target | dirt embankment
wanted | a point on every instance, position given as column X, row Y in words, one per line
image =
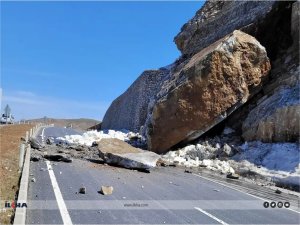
column 9, row 165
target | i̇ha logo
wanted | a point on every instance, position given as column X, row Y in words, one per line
column 15, row 204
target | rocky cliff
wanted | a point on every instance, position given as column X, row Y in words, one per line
column 276, row 118
column 129, row 111
column 222, row 71
column 217, row 19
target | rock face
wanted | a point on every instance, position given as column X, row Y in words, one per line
column 221, row 72
column 204, row 29
column 276, row 118
column 129, row 111
column 275, row 114
column 295, row 23
column 210, row 86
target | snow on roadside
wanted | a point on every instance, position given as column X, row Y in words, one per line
column 282, row 157
column 276, row 161
column 89, row 137
column 189, row 157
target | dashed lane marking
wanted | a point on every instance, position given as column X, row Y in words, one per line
column 239, row 190
column 211, row 216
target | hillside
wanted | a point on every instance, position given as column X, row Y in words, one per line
column 77, row 124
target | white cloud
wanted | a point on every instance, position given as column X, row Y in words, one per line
column 28, row 105
column 25, row 93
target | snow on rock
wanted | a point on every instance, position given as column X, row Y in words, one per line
column 277, row 161
column 273, row 156
column 218, row 165
column 89, row 137
column 198, row 155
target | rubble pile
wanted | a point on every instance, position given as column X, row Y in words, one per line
column 113, row 151
column 65, row 153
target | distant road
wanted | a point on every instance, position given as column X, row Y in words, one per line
column 164, row 196
column 55, row 132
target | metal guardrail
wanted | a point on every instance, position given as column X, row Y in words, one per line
column 24, row 164
column 18, row 123
column 31, row 133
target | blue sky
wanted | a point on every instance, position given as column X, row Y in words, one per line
column 71, row 59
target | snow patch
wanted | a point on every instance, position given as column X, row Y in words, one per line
column 273, row 156
column 89, row 137
column 198, row 155
column 277, row 161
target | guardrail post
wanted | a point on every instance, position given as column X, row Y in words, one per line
column 27, row 136
column 20, row 214
column 21, row 158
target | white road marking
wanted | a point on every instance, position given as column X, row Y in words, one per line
column 43, row 135
column 211, row 216
column 240, row 191
column 60, row 201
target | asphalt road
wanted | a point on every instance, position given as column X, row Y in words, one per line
column 164, row 196
column 55, row 132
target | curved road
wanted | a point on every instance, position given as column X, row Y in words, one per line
column 164, row 196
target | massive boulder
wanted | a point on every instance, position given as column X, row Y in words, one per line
column 213, row 83
column 129, row 111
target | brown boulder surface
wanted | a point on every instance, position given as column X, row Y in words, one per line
column 114, row 145
column 117, row 152
column 214, row 83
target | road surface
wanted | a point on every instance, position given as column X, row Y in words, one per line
column 164, row 196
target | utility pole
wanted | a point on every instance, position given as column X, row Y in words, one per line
column 7, row 111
